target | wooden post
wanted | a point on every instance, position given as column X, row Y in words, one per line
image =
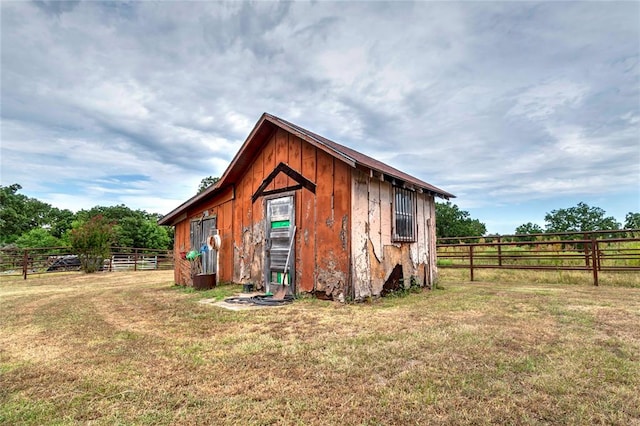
column 499, row 251
column 25, row 264
column 594, row 259
column 471, row 261
column 135, row 259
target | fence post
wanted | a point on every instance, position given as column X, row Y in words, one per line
column 135, row 259
column 585, row 236
column 471, row 261
column 25, row 264
column 595, row 264
column 499, row 251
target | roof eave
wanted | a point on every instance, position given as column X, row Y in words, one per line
column 168, row 219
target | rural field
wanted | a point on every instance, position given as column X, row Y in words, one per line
column 131, row 348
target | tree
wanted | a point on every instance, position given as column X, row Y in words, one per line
column 140, row 232
column 580, row 218
column 132, row 228
column 19, row 213
column 206, row 183
column 632, row 221
column 529, row 228
column 453, row 222
column 37, row 237
column 91, row 241
column 60, row 221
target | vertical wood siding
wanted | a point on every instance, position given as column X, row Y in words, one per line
column 343, row 242
column 322, row 219
column 307, row 234
column 374, row 254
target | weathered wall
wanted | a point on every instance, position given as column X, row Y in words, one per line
column 321, row 218
column 322, row 243
column 374, row 254
column 221, row 207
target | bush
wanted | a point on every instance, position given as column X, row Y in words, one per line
column 91, row 241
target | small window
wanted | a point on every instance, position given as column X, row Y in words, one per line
column 404, row 216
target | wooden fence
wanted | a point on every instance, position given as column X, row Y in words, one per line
column 25, row 262
column 594, row 252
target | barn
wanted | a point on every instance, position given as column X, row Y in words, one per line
column 295, row 209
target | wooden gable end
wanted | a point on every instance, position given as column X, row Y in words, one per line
column 320, row 185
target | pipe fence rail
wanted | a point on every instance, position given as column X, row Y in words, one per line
column 593, row 252
column 25, row 262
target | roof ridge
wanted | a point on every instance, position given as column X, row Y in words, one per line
column 364, row 159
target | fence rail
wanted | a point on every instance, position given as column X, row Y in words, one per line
column 603, row 251
column 25, row 262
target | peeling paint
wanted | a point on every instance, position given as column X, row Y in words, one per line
column 344, row 232
column 330, row 279
column 344, row 245
column 257, row 255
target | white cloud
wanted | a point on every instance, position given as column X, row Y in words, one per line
column 495, row 102
column 544, row 100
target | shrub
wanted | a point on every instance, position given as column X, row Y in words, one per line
column 91, row 241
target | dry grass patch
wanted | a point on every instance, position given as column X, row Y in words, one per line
column 129, row 348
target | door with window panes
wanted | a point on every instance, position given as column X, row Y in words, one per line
column 279, row 245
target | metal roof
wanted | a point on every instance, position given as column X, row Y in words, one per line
column 263, row 129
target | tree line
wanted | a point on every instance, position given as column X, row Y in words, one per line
column 27, row 222
column 453, row 222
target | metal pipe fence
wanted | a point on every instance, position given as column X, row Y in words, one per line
column 25, row 262
column 602, row 251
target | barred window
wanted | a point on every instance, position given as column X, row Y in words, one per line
column 404, row 217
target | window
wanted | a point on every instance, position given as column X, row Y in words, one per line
column 404, row 217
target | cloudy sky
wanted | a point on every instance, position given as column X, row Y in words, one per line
column 518, row 108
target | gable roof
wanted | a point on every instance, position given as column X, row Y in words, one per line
column 264, row 128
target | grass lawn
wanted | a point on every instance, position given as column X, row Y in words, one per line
column 130, row 348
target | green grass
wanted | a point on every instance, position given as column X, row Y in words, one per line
column 220, row 292
column 585, row 278
column 130, row 348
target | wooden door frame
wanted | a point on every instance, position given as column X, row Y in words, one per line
column 292, row 268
